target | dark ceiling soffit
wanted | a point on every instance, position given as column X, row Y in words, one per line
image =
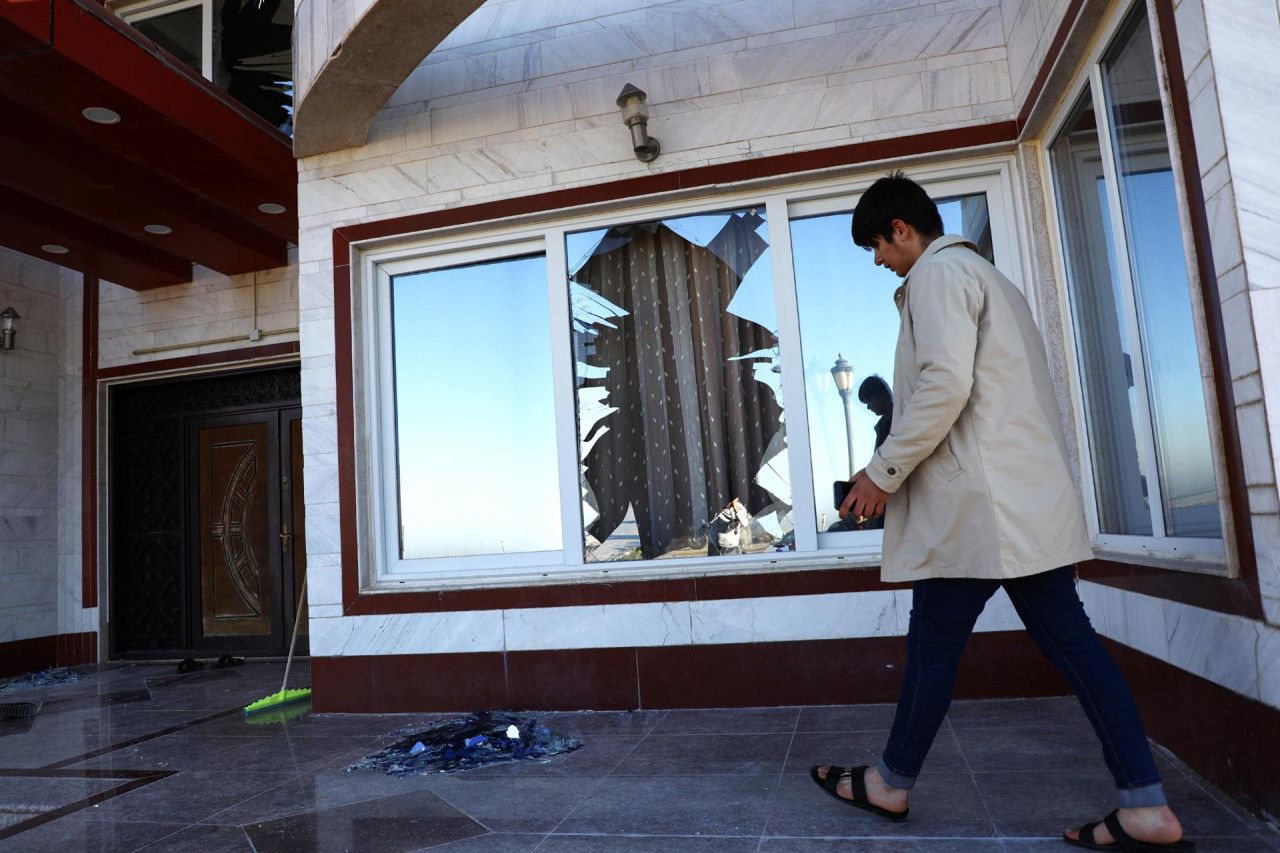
column 26, row 224
column 186, row 155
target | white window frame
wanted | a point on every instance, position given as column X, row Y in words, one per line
column 375, row 262
column 131, row 13
column 1203, row 555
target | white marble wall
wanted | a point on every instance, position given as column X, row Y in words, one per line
column 520, row 100
column 681, row 623
column 29, row 448
column 210, row 307
column 1029, row 27
column 1228, row 50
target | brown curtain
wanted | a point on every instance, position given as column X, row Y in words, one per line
column 692, row 426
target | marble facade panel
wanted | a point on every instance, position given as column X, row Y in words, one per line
column 799, row 617
column 731, row 21
column 1242, row 38
column 408, row 633
column 607, row 626
column 1216, row 646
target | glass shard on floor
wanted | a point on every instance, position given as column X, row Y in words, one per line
column 480, row 739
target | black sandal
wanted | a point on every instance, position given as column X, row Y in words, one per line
column 190, row 665
column 1123, row 841
column 228, row 661
column 859, row 801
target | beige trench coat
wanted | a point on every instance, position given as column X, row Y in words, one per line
column 976, row 462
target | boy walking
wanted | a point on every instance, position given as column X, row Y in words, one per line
column 980, row 497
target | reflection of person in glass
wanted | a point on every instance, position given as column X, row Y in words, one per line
column 981, row 496
column 873, row 393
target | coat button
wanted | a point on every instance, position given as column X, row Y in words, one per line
column 893, row 472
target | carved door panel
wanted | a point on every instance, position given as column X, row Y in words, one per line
column 239, row 538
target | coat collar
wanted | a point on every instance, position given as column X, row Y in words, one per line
column 900, row 295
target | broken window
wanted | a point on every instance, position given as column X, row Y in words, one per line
column 682, row 439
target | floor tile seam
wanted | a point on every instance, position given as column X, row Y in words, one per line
column 782, row 774
column 606, row 777
column 973, row 779
column 357, row 802
column 281, row 783
column 76, row 806
column 443, row 799
column 1230, row 807
column 245, row 833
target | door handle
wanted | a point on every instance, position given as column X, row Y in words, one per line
column 285, row 537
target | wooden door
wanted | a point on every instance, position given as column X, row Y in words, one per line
column 238, row 572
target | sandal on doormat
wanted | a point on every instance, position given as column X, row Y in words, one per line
column 1124, row 842
column 190, row 665
column 859, row 790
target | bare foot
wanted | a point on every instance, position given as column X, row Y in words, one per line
column 879, row 792
column 1152, row 824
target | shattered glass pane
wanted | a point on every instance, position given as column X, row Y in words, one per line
column 682, row 439
column 254, row 47
column 44, row 678
column 477, row 740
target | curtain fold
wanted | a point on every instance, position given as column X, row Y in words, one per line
column 692, row 425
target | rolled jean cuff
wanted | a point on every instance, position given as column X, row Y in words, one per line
column 895, row 778
column 1146, row 795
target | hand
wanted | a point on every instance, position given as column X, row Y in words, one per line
column 865, row 499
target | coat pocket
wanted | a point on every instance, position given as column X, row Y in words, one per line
column 947, row 464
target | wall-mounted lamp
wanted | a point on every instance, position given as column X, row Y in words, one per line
column 635, row 114
column 7, row 330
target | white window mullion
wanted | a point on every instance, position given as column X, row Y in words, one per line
column 803, row 512
column 383, row 432
column 566, row 399
column 1155, row 500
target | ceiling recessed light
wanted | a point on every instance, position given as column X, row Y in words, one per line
column 101, row 115
column 158, row 229
column 269, row 207
column 54, row 249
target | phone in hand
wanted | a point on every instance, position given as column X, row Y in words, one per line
column 841, row 491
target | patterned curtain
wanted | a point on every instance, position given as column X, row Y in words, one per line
column 692, row 424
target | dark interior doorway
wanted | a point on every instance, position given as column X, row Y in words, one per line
column 206, row 515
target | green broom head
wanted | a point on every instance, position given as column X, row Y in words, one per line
column 275, row 700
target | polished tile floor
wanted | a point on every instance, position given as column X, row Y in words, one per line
column 136, row 757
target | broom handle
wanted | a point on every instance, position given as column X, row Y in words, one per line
column 302, row 599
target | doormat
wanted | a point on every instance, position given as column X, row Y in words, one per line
column 44, row 678
column 478, row 740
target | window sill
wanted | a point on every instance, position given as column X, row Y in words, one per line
column 1203, row 564
column 622, row 572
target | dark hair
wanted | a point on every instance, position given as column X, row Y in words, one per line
column 872, row 387
column 894, row 196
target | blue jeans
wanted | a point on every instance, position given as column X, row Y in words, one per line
column 943, row 612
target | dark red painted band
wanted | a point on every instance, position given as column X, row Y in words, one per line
column 809, row 672
column 1215, row 328
column 37, row 653
column 204, row 359
column 89, row 445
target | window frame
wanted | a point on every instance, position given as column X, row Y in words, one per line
column 1203, row 555
column 373, row 263
column 131, row 13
